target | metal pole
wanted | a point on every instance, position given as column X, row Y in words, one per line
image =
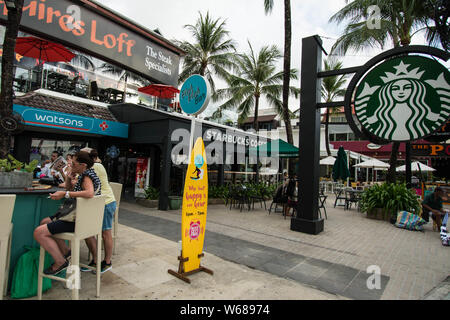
column 307, row 219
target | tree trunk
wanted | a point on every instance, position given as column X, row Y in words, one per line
column 327, row 138
column 7, row 77
column 390, row 178
column 256, row 127
column 286, row 77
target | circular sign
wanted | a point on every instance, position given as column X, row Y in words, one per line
column 195, row 94
column 404, row 98
column 9, row 123
column 113, row 152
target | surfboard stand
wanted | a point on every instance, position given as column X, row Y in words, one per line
column 183, row 275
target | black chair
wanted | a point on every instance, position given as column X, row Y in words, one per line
column 322, row 199
column 278, row 199
column 94, row 92
column 340, row 196
column 72, row 85
column 350, row 198
column 239, row 198
column 258, row 197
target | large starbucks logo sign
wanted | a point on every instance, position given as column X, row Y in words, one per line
column 404, row 98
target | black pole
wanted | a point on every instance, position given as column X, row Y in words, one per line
column 307, row 219
column 408, row 165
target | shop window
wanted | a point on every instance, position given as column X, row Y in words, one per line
column 42, row 149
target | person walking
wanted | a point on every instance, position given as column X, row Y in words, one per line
column 108, row 217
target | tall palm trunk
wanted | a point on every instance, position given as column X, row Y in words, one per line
column 256, row 127
column 7, row 77
column 286, row 79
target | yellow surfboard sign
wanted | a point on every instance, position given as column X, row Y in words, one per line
column 195, row 205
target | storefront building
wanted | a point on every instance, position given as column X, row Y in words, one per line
column 93, row 100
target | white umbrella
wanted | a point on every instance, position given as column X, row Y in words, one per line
column 328, row 161
column 415, row 167
column 374, row 164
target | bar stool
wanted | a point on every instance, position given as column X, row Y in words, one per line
column 88, row 223
column 117, row 190
column 7, row 204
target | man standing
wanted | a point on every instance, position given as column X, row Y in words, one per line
column 432, row 205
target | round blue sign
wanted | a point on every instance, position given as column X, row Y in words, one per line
column 195, row 94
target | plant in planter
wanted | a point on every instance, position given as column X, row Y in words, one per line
column 151, row 198
column 16, row 174
column 384, row 201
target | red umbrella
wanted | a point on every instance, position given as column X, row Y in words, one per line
column 160, row 91
column 43, row 50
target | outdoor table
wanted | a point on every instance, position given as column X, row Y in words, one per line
column 29, row 209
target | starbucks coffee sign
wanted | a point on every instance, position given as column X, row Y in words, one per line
column 404, row 98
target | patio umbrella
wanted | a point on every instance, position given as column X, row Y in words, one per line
column 416, row 166
column 374, row 164
column 280, row 149
column 43, row 50
column 160, row 91
column 340, row 168
column 328, row 161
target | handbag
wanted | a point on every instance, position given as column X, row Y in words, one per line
column 67, row 210
column 53, row 181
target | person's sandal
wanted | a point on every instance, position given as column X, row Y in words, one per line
column 50, row 272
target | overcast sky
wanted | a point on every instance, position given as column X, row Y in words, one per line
column 246, row 20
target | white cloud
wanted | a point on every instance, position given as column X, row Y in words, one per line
column 246, row 20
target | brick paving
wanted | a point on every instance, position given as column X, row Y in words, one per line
column 412, row 263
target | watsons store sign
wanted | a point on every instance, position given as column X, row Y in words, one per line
column 65, row 121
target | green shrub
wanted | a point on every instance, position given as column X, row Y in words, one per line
column 391, row 197
column 151, row 193
column 11, row 164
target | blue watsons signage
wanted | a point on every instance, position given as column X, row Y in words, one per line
column 65, row 121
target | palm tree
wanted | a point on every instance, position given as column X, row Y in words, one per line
column 14, row 9
column 256, row 77
column 332, row 87
column 268, row 6
column 123, row 75
column 210, row 53
column 399, row 20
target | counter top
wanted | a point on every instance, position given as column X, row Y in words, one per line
column 22, row 191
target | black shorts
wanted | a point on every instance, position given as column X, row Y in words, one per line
column 60, row 226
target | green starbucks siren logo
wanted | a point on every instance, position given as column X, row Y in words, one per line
column 403, row 99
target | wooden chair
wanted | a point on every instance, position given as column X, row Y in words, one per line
column 89, row 221
column 117, row 190
column 7, row 204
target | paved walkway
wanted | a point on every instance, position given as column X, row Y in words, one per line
column 255, row 255
column 335, row 261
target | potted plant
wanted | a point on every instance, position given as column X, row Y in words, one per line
column 16, row 174
column 175, row 200
column 151, row 199
column 383, row 202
